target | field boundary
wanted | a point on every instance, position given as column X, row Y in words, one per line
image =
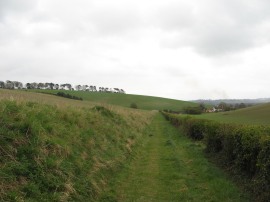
column 243, row 149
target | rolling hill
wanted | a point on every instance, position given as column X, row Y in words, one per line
column 125, row 100
column 259, row 114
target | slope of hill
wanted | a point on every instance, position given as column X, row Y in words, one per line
column 233, row 101
column 57, row 149
column 125, row 100
column 259, row 114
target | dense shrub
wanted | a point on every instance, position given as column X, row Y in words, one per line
column 134, row 105
column 214, row 137
column 244, row 148
column 66, row 95
column 172, row 111
column 193, row 110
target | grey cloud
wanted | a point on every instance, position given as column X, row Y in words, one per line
column 114, row 21
column 175, row 72
column 8, row 7
column 248, row 12
column 175, row 16
column 218, row 28
column 217, row 93
column 223, row 40
column 95, row 18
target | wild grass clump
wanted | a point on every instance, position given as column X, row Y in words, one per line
column 62, row 154
column 243, row 149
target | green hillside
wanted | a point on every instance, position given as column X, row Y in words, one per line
column 143, row 102
column 57, row 149
column 259, row 114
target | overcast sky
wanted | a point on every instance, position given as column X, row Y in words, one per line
column 168, row 48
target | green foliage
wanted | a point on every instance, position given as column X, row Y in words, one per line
column 263, row 163
column 224, row 106
column 171, row 111
column 66, row 95
column 133, row 105
column 193, row 110
column 245, row 148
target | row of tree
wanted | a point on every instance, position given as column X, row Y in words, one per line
column 53, row 86
column 228, row 107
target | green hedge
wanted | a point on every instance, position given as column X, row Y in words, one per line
column 245, row 148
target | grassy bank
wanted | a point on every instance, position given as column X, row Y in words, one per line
column 51, row 153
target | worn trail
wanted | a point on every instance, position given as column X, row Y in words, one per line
column 170, row 167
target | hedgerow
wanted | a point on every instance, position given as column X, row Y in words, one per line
column 66, row 95
column 243, row 148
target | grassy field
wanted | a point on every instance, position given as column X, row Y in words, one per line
column 170, row 167
column 259, row 115
column 143, row 102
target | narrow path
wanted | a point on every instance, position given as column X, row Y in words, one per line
column 170, row 167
